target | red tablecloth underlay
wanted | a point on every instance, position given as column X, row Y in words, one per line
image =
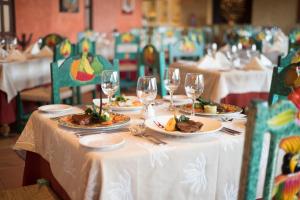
column 243, row 100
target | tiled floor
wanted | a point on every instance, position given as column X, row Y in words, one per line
column 11, row 165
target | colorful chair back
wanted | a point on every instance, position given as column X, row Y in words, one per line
column 294, row 39
column 51, row 40
column 89, row 34
column 196, row 35
column 126, row 46
column 284, row 77
column 150, row 59
column 281, row 121
column 185, row 48
column 78, row 71
column 169, row 36
column 85, row 45
column 63, row 50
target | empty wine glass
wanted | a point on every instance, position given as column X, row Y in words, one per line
column 172, row 81
column 194, row 86
column 146, row 90
column 109, row 84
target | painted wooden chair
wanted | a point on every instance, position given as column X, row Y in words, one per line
column 89, row 34
column 51, row 40
column 294, row 39
column 126, row 51
column 196, row 35
column 185, row 48
column 281, row 121
column 284, row 77
column 85, row 45
column 63, row 50
column 153, row 61
column 78, row 71
column 169, row 36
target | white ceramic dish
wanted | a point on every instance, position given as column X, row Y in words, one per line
column 177, row 98
column 102, row 141
column 209, row 126
column 120, row 108
column 53, row 108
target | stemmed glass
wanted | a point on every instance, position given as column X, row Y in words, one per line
column 194, row 86
column 109, row 84
column 146, row 90
column 172, row 81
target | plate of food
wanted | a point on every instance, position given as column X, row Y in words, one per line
column 91, row 120
column 183, row 125
column 122, row 103
column 208, row 108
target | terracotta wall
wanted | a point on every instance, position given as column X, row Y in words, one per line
column 108, row 15
column 41, row 17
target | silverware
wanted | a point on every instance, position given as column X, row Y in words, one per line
column 226, row 119
column 158, row 124
column 138, row 132
column 94, row 132
column 230, row 131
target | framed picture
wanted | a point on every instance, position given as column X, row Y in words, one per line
column 70, row 6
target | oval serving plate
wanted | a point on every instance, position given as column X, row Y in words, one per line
column 66, row 121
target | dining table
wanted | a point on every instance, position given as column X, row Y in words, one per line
column 228, row 85
column 202, row 166
column 19, row 75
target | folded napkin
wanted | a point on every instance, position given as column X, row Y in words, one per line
column 265, row 61
column 280, row 44
column 3, row 54
column 33, row 49
column 255, row 64
column 219, row 62
column 15, row 55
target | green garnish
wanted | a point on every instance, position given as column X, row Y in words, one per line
column 203, row 102
column 182, row 118
column 95, row 115
column 121, row 98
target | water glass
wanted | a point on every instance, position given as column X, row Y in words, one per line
column 194, row 86
column 109, row 84
column 172, row 81
column 146, row 90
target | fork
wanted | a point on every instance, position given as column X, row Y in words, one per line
column 158, row 124
column 230, row 131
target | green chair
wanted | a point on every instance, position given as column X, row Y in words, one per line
column 196, row 35
column 63, row 50
column 51, row 40
column 294, row 39
column 78, row 71
column 85, row 45
column 281, row 122
column 283, row 77
column 153, row 61
column 187, row 49
column 126, row 51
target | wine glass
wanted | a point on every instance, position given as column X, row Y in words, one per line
column 109, row 84
column 172, row 81
column 146, row 90
column 194, row 86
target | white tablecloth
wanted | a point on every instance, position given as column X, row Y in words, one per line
column 201, row 167
column 17, row 76
column 218, row 84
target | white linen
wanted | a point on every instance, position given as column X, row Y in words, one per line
column 201, row 167
column 219, row 61
column 17, row 76
column 218, row 84
column 257, row 63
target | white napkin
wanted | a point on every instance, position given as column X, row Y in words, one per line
column 218, row 62
column 255, row 64
column 280, row 44
column 16, row 55
column 45, row 52
column 3, row 54
column 265, row 61
column 33, row 49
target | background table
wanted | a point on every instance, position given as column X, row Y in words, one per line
column 205, row 167
column 236, row 87
column 17, row 76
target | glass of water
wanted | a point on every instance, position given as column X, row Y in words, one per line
column 194, row 86
column 172, row 81
column 146, row 90
column 109, row 84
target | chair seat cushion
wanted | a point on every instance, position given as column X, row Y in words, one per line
column 43, row 94
column 87, row 88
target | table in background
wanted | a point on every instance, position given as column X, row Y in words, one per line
column 236, row 87
column 17, row 76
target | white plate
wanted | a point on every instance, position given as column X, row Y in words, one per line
column 209, row 125
column 54, row 108
column 120, row 108
column 102, row 141
column 177, row 98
